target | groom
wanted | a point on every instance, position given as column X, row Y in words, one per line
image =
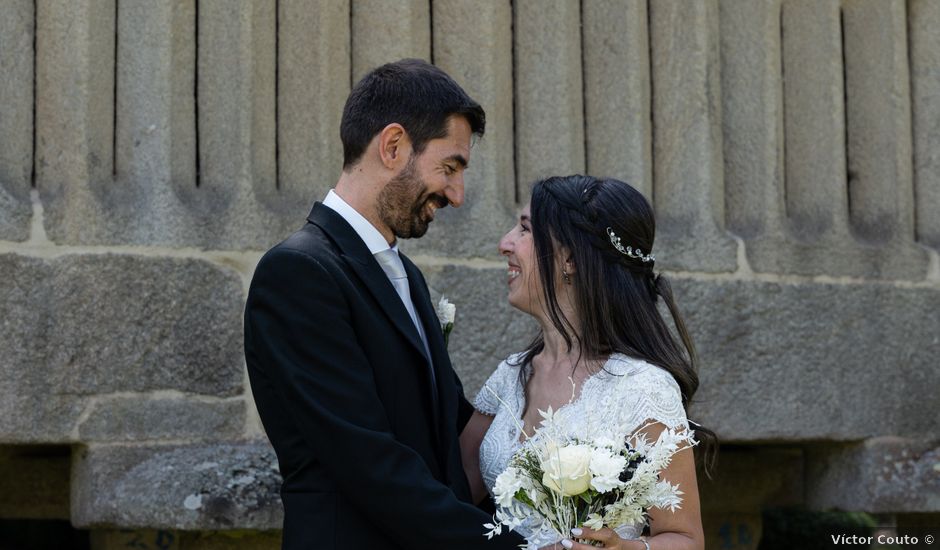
column 345, row 354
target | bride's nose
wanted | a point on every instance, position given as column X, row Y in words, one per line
column 505, row 245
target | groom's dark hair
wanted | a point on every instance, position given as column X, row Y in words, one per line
column 411, row 92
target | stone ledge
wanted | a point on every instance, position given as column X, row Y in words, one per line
column 879, row 475
column 812, row 361
column 781, row 362
column 188, row 487
column 141, row 418
column 87, row 324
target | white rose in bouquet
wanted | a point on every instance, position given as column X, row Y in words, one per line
column 567, row 470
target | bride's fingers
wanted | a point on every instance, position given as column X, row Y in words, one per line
column 606, row 536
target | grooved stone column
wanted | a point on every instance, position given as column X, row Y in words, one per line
column 477, row 53
column 549, row 95
column 155, row 146
column 816, row 236
column 923, row 22
column 74, row 112
column 16, row 118
column 384, row 31
column 881, row 191
column 617, row 91
column 236, row 121
column 752, row 116
column 236, row 97
column 817, row 203
column 313, row 82
column 687, row 162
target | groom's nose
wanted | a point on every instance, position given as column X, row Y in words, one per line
column 454, row 192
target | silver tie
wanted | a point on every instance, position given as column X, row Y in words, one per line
column 395, row 271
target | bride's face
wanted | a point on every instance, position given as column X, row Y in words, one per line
column 517, row 246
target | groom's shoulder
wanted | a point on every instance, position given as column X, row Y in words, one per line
column 308, row 245
column 310, row 240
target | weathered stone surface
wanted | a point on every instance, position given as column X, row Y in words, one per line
column 16, row 118
column 383, row 32
column 617, row 121
column 87, row 324
column 34, row 482
column 478, row 54
column 688, row 189
column 808, row 362
column 74, row 112
column 880, row 475
column 549, row 91
column 487, row 329
column 313, row 82
column 221, row 486
column 752, row 116
column 135, row 418
column 923, row 22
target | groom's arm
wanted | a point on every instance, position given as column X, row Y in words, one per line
column 464, row 408
column 312, row 355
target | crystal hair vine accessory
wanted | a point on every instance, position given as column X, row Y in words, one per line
column 629, row 251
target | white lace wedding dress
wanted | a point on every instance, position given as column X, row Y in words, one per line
column 627, row 392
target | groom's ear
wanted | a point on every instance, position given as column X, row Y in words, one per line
column 394, row 146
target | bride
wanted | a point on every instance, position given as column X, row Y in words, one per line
column 580, row 263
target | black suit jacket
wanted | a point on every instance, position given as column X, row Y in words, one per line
column 343, row 386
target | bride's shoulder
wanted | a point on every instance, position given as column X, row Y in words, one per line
column 500, row 385
column 638, row 372
column 509, row 367
column 647, row 391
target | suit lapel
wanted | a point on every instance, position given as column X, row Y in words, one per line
column 360, row 260
column 440, row 360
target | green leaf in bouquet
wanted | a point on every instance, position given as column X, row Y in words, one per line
column 522, row 497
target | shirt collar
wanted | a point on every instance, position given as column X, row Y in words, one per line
column 366, row 231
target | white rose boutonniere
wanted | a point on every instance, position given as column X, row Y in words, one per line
column 446, row 312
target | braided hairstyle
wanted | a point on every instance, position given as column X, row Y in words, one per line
column 615, row 295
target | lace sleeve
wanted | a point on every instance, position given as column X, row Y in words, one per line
column 650, row 394
column 485, row 401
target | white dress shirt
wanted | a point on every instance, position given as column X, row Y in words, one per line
column 377, row 244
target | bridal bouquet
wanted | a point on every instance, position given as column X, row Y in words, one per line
column 556, row 482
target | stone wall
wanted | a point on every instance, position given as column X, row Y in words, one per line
column 151, row 151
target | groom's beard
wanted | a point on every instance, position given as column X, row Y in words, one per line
column 403, row 203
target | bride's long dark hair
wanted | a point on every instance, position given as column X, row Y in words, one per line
column 615, row 295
